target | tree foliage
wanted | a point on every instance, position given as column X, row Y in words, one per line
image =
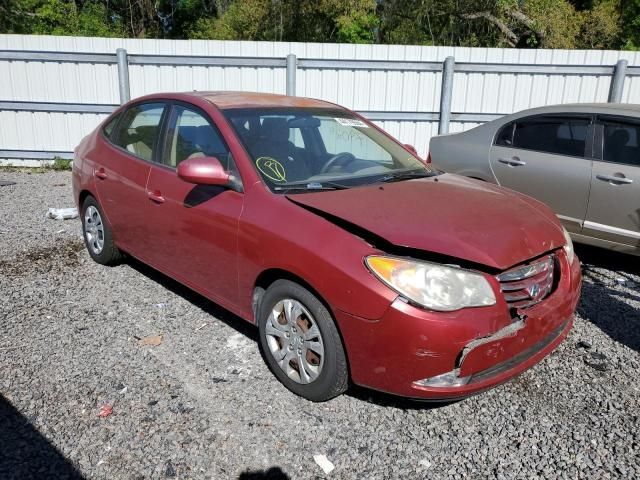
column 599, row 24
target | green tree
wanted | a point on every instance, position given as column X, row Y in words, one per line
column 352, row 21
column 607, row 24
column 601, row 26
column 630, row 30
column 59, row 17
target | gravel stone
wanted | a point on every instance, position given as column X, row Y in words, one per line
column 202, row 404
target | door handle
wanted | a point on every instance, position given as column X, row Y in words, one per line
column 100, row 173
column 512, row 162
column 155, row 196
column 614, row 179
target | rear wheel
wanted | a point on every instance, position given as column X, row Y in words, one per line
column 97, row 234
column 301, row 343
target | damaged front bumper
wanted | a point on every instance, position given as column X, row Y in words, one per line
column 443, row 356
column 454, row 384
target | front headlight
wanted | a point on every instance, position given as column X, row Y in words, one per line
column 568, row 248
column 434, row 286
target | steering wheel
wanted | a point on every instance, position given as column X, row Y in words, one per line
column 342, row 158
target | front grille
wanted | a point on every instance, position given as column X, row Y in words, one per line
column 526, row 285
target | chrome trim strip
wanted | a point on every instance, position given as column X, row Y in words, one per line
column 529, row 284
column 526, row 271
column 577, row 221
column 609, row 229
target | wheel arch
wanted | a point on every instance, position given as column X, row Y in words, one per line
column 270, row 275
column 84, row 193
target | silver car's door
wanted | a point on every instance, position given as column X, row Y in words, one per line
column 549, row 158
column 614, row 203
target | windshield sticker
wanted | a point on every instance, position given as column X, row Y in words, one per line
column 271, row 168
column 351, row 122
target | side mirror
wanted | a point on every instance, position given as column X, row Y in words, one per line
column 412, row 149
column 203, row 171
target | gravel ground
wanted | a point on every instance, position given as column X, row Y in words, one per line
column 203, row 404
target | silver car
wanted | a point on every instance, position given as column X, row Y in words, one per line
column 582, row 160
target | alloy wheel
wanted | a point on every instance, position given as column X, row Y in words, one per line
column 295, row 341
column 94, row 229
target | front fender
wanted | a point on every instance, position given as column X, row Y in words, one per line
column 274, row 233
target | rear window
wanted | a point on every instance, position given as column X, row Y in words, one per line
column 108, row 128
column 557, row 135
column 139, row 128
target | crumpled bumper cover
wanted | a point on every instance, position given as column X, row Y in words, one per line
column 483, row 346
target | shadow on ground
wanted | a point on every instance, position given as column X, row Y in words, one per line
column 25, row 453
column 213, row 309
column 621, row 263
column 602, row 304
column 274, row 473
column 250, row 331
column 383, row 399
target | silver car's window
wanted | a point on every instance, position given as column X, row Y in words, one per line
column 621, row 143
column 557, row 135
column 505, row 135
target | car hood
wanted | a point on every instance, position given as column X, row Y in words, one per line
column 448, row 215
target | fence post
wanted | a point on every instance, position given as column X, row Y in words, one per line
column 123, row 75
column 445, row 95
column 617, row 81
column 291, row 74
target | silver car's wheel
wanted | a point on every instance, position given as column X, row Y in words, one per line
column 295, row 341
column 94, row 229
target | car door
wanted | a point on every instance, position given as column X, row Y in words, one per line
column 549, row 158
column 194, row 227
column 122, row 170
column 614, row 202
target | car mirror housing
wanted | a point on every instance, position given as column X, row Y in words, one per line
column 203, row 171
column 412, row 149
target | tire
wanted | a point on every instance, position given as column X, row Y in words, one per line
column 324, row 375
column 97, row 235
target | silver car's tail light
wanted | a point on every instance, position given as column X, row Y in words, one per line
column 526, row 285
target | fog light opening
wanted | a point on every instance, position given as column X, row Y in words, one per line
column 449, row 379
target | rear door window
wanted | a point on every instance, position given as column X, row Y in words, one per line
column 621, row 142
column 139, row 128
column 553, row 134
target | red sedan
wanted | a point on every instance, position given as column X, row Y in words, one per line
column 356, row 260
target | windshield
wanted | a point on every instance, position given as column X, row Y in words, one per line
column 320, row 149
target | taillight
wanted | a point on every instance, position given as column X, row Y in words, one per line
column 429, row 158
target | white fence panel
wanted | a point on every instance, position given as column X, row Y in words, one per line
column 409, row 97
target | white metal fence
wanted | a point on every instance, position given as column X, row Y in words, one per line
column 54, row 90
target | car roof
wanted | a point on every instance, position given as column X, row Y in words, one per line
column 229, row 99
column 611, row 108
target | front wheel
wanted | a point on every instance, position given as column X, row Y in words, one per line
column 301, row 343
